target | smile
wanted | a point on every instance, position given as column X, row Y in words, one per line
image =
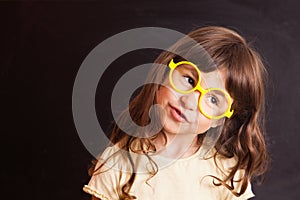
column 177, row 114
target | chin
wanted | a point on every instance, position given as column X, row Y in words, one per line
column 181, row 129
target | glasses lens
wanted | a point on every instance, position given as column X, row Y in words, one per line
column 185, row 77
column 214, row 103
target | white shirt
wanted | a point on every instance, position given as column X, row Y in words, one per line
column 179, row 179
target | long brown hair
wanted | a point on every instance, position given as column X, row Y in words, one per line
column 242, row 136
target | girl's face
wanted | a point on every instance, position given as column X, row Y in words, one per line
column 181, row 111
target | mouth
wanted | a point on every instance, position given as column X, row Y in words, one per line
column 178, row 114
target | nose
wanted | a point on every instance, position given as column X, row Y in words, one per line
column 190, row 101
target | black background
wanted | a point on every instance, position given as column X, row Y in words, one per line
column 44, row 43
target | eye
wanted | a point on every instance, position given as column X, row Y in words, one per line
column 190, row 80
column 213, row 100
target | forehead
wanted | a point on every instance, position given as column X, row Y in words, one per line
column 214, row 79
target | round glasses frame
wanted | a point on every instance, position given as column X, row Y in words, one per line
column 228, row 113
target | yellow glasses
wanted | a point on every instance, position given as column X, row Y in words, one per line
column 185, row 78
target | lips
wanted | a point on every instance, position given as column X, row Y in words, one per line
column 177, row 114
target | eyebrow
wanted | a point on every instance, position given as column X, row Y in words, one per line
column 192, row 69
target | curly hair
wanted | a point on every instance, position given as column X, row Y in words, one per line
column 242, row 136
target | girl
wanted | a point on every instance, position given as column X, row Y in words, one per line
column 210, row 101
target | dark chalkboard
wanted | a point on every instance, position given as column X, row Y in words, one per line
column 44, row 43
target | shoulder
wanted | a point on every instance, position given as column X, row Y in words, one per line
column 111, row 171
column 223, row 167
column 220, row 162
column 113, row 158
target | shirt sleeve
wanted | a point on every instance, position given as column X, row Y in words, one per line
column 105, row 182
column 248, row 192
column 103, row 186
column 227, row 164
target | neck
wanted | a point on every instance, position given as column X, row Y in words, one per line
column 177, row 146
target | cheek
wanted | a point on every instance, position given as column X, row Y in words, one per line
column 159, row 96
column 202, row 124
column 163, row 94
